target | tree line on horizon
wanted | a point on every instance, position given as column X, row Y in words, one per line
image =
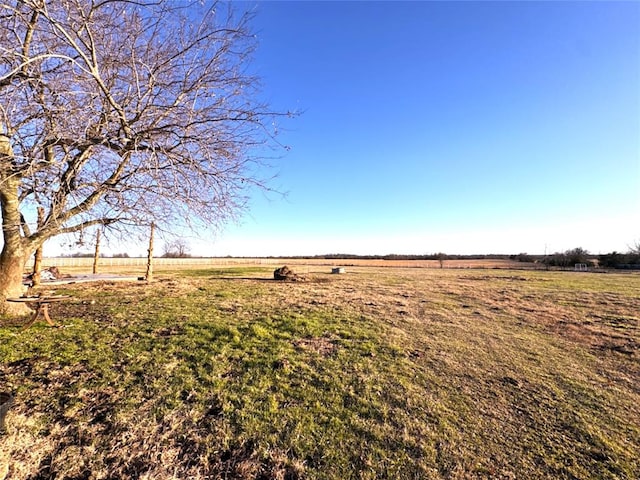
column 566, row 259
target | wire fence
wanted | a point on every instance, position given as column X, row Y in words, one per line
column 141, row 262
column 197, row 262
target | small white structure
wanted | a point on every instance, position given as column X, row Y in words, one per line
column 581, row 267
column 338, row 270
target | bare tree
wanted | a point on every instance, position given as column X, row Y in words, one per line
column 120, row 114
column 178, row 248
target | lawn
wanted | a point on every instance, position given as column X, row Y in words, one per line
column 381, row 373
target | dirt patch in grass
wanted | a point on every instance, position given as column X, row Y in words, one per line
column 320, row 345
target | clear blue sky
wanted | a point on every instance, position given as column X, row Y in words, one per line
column 462, row 127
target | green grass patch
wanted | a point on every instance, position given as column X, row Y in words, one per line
column 226, row 272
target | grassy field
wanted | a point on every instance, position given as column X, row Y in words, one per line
column 378, row 373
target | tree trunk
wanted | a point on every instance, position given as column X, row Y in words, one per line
column 11, row 269
column 37, row 260
column 14, row 254
column 36, row 276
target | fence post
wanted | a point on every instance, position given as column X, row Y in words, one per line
column 149, row 275
column 96, row 254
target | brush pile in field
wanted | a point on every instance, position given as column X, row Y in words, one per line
column 286, row 274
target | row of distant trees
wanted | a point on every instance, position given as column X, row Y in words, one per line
column 179, row 248
column 628, row 260
column 566, row 259
column 394, row 256
column 569, row 258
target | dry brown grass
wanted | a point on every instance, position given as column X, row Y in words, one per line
column 138, row 266
column 379, row 373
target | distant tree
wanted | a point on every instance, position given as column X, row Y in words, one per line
column 557, row 259
column 178, row 248
column 634, row 254
column 523, row 257
column 612, row 260
column 121, row 113
column 569, row 258
column 577, row 255
column 441, row 257
column 120, row 255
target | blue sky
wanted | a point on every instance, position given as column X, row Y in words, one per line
column 462, row 127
